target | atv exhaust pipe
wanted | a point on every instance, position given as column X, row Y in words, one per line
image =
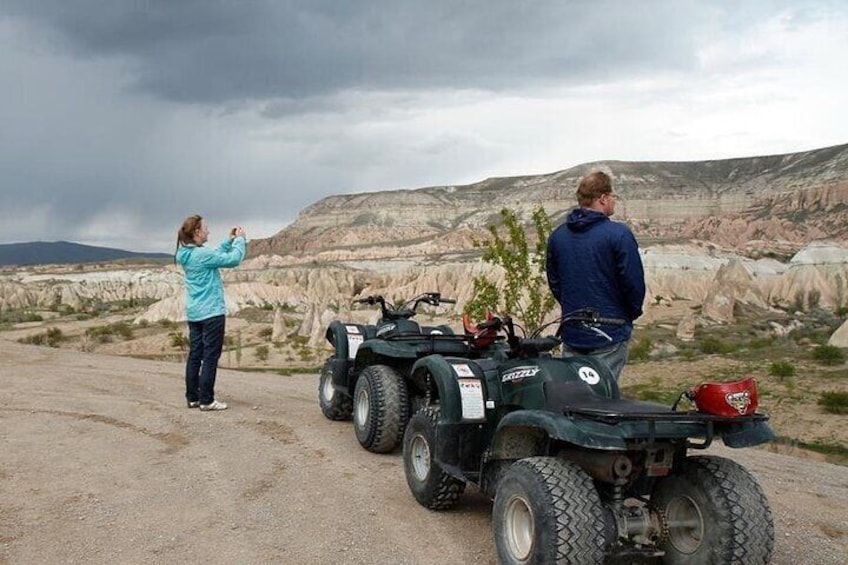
column 612, row 468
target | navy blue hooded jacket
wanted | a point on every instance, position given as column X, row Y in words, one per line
column 594, row 262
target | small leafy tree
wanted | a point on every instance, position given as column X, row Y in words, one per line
column 524, row 293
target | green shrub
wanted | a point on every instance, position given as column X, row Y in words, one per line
column 51, row 338
column 266, row 332
column 104, row 334
column 761, row 342
column 178, row 339
column 711, row 345
column 641, row 350
column 829, row 355
column 782, row 369
column 18, row 316
column 262, row 352
column 834, row 402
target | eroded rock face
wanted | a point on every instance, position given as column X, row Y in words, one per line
column 780, row 202
column 698, row 273
column 840, row 336
column 733, row 284
column 686, row 328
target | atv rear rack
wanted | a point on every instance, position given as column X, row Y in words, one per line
column 638, row 420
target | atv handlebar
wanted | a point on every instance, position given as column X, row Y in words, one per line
column 534, row 344
column 389, row 312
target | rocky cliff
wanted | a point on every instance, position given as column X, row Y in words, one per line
column 771, row 204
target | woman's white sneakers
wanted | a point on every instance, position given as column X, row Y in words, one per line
column 216, row 405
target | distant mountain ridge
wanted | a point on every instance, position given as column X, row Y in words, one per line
column 793, row 198
column 65, row 252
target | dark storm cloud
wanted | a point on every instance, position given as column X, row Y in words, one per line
column 121, row 117
column 219, row 51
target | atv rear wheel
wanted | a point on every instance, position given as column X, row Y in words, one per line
column 716, row 513
column 430, row 485
column 380, row 408
column 334, row 404
column 547, row 511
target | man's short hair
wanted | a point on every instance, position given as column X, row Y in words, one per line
column 593, row 186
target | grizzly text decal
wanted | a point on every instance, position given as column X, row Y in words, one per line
column 519, row 373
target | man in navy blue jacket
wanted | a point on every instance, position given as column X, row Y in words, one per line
column 594, row 262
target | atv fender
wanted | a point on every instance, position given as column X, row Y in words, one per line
column 376, row 351
column 346, row 338
column 339, row 369
column 584, row 433
column 747, row 434
column 460, row 438
column 444, row 374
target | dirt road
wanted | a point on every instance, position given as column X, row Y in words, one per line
column 100, row 462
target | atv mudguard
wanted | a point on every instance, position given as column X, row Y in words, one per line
column 373, row 350
column 445, row 373
column 346, row 338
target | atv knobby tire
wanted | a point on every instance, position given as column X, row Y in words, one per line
column 380, row 408
column 547, row 510
column 430, row 485
column 334, row 404
column 716, row 514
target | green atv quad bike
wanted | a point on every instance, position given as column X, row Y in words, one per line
column 580, row 475
column 368, row 375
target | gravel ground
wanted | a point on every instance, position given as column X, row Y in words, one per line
column 102, row 463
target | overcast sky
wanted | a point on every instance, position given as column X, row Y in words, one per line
column 119, row 118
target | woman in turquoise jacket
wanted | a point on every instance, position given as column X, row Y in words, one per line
column 205, row 307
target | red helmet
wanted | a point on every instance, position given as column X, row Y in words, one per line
column 738, row 398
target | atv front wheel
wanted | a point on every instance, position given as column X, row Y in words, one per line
column 430, row 485
column 380, row 408
column 547, row 511
column 715, row 513
column 334, row 404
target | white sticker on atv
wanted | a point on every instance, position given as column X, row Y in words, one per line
column 353, row 342
column 352, row 329
column 471, row 394
column 589, row 375
column 463, row 370
column 385, row 329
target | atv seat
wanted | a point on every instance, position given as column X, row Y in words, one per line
column 437, row 330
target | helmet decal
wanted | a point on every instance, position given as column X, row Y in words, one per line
column 739, row 400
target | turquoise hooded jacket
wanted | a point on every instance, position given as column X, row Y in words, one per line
column 204, row 288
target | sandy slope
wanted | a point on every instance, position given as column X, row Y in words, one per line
column 100, row 462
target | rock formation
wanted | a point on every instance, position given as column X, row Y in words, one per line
column 780, row 201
